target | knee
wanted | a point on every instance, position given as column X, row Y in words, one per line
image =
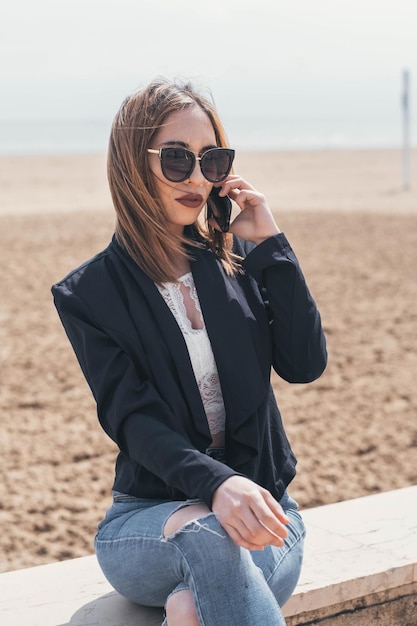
column 180, row 609
column 201, row 536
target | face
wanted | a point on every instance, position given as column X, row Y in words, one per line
column 182, row 202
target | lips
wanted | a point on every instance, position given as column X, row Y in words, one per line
column 191, row 200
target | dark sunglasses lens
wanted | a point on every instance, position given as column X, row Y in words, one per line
column 177, row 164
column 216, row 164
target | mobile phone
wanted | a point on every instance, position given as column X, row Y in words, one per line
column 220, row 208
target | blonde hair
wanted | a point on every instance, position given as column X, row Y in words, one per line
column 141, row 224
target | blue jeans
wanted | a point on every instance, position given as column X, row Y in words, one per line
column 230, row 585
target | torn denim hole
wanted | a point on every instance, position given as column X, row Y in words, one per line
column 194, row 526
column 181, row 505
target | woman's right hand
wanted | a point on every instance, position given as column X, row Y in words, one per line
column 249, row 513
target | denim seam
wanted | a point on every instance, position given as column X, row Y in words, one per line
column 102, row 542
column 195, row 595
column 285, row 554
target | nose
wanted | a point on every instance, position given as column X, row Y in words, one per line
column 196, row 176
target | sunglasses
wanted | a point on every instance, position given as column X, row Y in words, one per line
column 178, row 164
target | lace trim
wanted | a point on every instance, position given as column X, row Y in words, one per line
column 171, row 292
column 200, row 351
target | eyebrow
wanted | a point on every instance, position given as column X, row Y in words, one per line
column 186, row 145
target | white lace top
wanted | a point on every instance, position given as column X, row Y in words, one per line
column 199, row 348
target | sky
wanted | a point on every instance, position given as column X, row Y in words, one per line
column 78, row 59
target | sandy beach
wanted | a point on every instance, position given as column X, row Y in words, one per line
column 354, row 229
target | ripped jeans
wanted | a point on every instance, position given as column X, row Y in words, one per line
column 230, row 585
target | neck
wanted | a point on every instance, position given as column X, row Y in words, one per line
column 181, row 266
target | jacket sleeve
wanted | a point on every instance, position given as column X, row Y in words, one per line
column 299, row 345
column 131, row 410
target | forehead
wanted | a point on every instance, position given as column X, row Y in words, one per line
column 191, row 126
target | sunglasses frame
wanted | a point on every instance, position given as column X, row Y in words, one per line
column 193, row 159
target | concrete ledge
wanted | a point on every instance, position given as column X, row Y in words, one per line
column 360, row 568
column 360, row 557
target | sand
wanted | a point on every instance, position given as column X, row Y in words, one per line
column 354, row 431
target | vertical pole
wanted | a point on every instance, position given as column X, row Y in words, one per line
column 406, row 129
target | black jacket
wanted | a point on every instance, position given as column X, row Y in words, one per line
column 135, row 360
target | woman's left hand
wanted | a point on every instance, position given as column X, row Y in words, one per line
column 255, row 221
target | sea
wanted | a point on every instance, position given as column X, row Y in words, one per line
column 245, row 133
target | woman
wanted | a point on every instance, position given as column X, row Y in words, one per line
column 176, row 325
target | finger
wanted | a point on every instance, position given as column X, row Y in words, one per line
column 275, row 507
column 263, row 530
column 245, row 530
column 246, row 198
column 233, row 183
column 271, row 532
column 241, row 539
column 272, row 521
column 275, row 524
column 256, row 532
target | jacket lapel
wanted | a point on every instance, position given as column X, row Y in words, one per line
column 236, row 342
column 151, row 313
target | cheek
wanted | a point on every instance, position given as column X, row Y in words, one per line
column 161, row 189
